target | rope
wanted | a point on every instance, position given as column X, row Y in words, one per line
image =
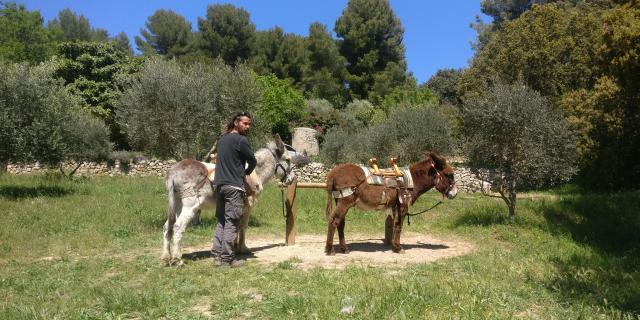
column 283, row 204
column 409, row 215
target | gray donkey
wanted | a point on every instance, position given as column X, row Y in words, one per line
column 189, row 189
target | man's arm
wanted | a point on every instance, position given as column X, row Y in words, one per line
column 247, row 155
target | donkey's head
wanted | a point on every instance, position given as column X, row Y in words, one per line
column 432, row 172
column 284, row 167
column 445, row 181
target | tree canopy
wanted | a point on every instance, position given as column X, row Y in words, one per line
column 176, row 111
column 370, row 37
column 22, row 34
column 40, row 121
column 93, row 71
column 166, row 33
column 525, row 143
column 226, row 32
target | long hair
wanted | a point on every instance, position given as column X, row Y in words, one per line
column 236, row 117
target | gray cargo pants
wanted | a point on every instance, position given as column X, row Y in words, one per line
column 229, row 210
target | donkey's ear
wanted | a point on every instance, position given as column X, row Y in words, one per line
column 279, row 145
column 438, row 161
column 428, row 156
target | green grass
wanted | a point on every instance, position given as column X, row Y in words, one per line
column 89, row 249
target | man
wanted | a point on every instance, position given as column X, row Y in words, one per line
column 234, row 160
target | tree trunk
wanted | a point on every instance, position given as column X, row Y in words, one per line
column 3, row 167
column 512, row 206
column 512, row 197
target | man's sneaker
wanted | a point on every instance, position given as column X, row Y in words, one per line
column 232, row 264
column 237, row 263
column 217, row 262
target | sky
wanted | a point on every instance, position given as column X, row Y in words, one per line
column 437, row 33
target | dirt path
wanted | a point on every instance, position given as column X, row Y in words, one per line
column 308, row 252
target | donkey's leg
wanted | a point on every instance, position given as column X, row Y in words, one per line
column 241, row 247
column 388, row 227
column 178, row 231
column 342, row 206
column 397, row 229
column 196, row 219
column 343, row 243
column 166, row 241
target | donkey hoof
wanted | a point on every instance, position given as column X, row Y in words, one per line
column 398, row 250
column 177, row 263
column 330, row 251
column 344, row 250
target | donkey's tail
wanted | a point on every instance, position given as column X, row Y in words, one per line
column 329, row 207
column 171, row 206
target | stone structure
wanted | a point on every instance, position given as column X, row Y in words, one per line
column 139, row 168
column 466, row 181
column 304, row 139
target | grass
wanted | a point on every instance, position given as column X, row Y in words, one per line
column 89, row 249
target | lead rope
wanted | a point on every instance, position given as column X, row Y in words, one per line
column 409, row 215
column 282, row 198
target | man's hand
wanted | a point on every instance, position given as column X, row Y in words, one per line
column 250, row 185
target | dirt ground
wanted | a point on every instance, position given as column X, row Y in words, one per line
column 308, row 251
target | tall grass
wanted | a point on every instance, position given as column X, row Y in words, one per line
column 89, row 249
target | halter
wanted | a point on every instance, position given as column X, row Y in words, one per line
column 440, row 176
column 279, row 165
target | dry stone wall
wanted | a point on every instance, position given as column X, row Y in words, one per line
column 466, row 181
column 117, row 168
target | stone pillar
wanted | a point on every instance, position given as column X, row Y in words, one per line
column 304, row 139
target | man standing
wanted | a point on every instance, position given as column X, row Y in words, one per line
column 234, row 160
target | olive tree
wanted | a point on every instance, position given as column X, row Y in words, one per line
column 40, row 121
column 177, row 111
column 516, row 135
column 407, row 134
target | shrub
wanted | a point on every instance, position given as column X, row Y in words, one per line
column 321, row 115
column 513, row 131
column 178, row 111
column 282, row 105
column 407, row 133
column 40, row 121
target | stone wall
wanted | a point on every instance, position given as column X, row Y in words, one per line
column 140, row 168
column 466, row 181
column 312, row 172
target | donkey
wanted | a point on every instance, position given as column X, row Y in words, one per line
column 189, row 189
column 347, row 183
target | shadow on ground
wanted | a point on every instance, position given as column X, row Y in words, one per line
column 20, row 192
column 207, row 254
column 379, row 247
column 609, row 224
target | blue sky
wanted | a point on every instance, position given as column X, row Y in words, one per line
column 437, row 33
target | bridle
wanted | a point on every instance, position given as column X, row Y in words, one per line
column 440, row 176
column 279, row 165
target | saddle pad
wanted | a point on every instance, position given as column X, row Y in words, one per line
column 211, row 170
column 371, row 178
column 404, row 181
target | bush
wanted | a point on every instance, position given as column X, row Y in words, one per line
column 179, row 111
column 282, row 105
column 514, row 132
column 321, row 115
column 406, row 134
column 40, row 121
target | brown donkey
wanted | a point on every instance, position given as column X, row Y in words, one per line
column 347, row 183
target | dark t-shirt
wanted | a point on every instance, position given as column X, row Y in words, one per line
column 233, row 152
